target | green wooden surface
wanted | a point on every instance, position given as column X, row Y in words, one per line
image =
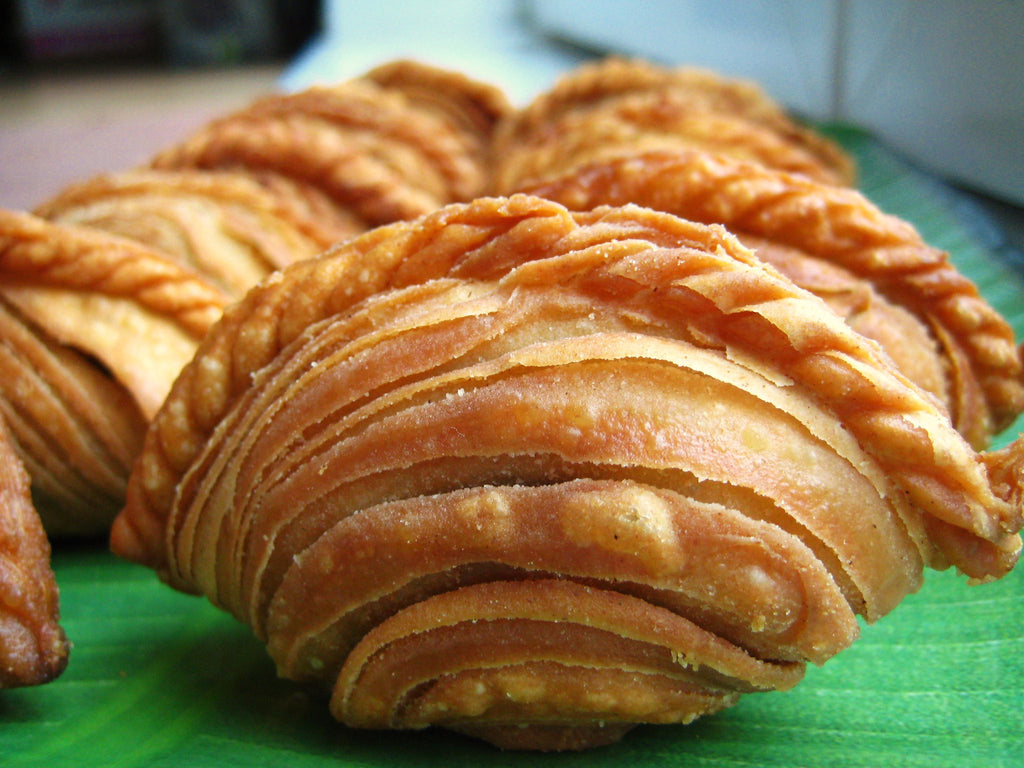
column 158, row 678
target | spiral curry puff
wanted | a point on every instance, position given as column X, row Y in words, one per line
column 93, row 330
column 537, row 476
column 396, row 143
column 615, row 107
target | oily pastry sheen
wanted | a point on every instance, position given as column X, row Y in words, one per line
column 33, row 648
column 378, row 153
column 223, row 225
column 539, row 475
column 95, row 329
column 613, row 107
column 874, row 269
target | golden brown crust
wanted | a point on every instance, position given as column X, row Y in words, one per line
column 983, row 375
column 543, row 656
column 274, row 313
column 666, row 555
column 223, row 225
column 614, row 76
column 94, row 330
column 136, row 311
column 76, row 430
column 503, row 232
column 618, row 106
column 33, row 648
column 636, row 123
column 904, row 336
column 370, row 150
column 475, row 107
column 514, row 412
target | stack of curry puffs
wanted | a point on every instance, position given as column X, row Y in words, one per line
column 602, row 411
column 107, row 288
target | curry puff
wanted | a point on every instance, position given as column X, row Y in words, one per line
column 369, row 151
column 537, row 475
column 616, row 107
column 93, row 330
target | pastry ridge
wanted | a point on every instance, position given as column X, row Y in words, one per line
column 838, row 226
column 376, row 149
column 81, row 259
column 619, row 106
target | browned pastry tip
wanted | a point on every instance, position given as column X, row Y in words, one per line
column 874, row 268
column 537, row 475
column 375, row 154
column 33, row 647
column 618, row 106
column 223, row 225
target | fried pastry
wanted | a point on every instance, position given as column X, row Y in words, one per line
column 95, row 329
column 33, row 647
column 537, row 475
column 77, row 430
column 224, row 226
column 613, row 107
column 377, row 153
column 476, row 108
column 874, row 269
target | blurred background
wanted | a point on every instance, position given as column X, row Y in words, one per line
column 42, row 33
column 92, row 86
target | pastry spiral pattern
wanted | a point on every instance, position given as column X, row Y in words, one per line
column 872, row 268
column 537, row 475
column 534, row 468
column 94, row 328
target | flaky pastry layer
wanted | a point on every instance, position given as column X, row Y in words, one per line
column 225, row 226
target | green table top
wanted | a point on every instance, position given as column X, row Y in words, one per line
column 157, row 678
